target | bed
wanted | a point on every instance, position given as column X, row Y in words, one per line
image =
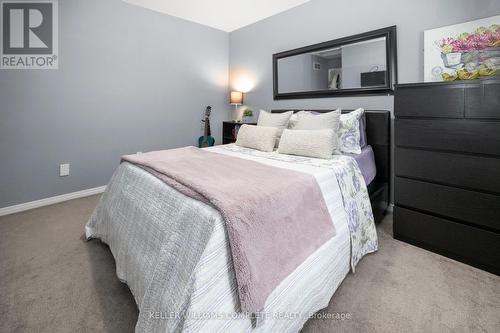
column 182, row 276
column 378, row 137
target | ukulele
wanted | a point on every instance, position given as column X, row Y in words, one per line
column 206, row 140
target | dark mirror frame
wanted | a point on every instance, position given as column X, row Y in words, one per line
column 391, row 73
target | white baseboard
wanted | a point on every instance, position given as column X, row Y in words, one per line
column 50, row 201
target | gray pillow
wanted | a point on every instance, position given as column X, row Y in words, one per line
column 310, row 121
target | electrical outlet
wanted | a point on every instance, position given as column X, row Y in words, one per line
column 64, row 170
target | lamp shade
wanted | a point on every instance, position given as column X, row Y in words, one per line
column 236, row 98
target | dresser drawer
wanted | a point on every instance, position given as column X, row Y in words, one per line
column 461, row 135
column 465, row 171
column 483, row 100
column 430, row 101
column 472, row 207
column 471, row 245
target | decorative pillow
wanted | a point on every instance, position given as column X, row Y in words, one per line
column 310, row 121
column 257, row 137
column 311, row 143
column 349, row 134
column 278, row 120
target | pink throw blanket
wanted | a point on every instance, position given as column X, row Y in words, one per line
column 275, row 218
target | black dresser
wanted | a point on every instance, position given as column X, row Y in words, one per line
column 447, row 169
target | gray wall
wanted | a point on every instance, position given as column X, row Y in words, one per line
column 251, row 47
column 319, row 78
column 361, row 57
column 294, row 73
column 297, row 74
column 129, row 80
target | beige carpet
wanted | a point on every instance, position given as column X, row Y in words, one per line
column 53, row 281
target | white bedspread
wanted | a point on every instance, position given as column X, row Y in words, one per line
column 138, row 214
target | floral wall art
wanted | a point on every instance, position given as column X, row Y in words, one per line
column 465, row 51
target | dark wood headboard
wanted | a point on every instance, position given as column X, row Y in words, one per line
column 378, row 135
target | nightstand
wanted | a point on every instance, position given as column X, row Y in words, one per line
column 230, row 131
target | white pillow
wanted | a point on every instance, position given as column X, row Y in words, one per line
column 278, row 120
column 269, row 119
column 309, row 121
column 349, row 135
column 311, row 143
column 257, row 137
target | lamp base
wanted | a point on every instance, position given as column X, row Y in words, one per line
column 236, row 114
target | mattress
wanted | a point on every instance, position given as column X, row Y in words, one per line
column 145, row 223
column 366, row 163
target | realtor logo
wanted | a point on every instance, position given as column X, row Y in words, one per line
column 29, row 34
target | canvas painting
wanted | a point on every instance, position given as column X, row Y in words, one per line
column 464, row 51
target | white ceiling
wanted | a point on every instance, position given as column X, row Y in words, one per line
column 226, row 15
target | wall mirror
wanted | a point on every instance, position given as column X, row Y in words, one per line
column 359, row 64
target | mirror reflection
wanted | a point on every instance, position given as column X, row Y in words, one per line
column 350, row 66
